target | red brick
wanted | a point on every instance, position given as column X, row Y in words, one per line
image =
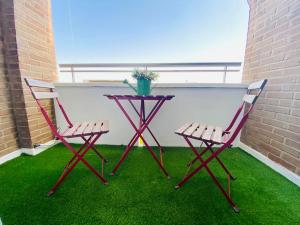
column 275, row 123
column 282, row 162
column 293, row 144
column 284, row 148
column 280, row 95
column 292, row 160
column 270, row 149
column 283, row 110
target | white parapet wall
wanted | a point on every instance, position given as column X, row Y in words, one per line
column 209, row 103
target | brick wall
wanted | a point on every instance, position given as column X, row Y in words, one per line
column 8, row 140
column 273, row 52
column 28, row 50
column 36, row 60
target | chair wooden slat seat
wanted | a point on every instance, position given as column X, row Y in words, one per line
column 202, row 132
column 71, row 130
column 189, row 131
column 199, row 132
column 217, row 135
column 81, row 128
column 208, row 133
column 183, row 128
column 101, row 127
column 105, row 126
column 89, row 128
column 86, row 129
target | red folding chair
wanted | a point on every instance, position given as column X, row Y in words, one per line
column 89, row 132
column 210, row 136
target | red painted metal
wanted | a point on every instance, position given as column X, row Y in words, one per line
column 148, row 128
column 138, row 97
column 238, row 112
column 79, row 150
column 139, row 133
column 211, row 173
column 247, row 106
column 64, row 112
column 95, row 150
column 79, row 158
column 209, row 147
column 144, row 122
column 214, row 155
column 89, row 142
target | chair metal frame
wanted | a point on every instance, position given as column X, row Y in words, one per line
column 228, row 137
column 88, row 138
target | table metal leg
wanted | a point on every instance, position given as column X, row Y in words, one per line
column 125, row 153
column 143, row 114
column 143, row 125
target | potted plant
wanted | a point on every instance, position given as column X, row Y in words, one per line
column 144, row 79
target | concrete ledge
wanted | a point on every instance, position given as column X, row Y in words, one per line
column 275, row 166
column 164, row 85
column 28, row 151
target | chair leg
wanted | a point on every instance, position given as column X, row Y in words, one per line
column 189, row 176
column 79, row 157
column 67, row 166
column 191, row 163
column 204, row 165
column 209, row 146
column 79, row 151
column 103, row 160
column 99, row 154
column 96, row 151
column 227, row 195
column 224, row 167
column 196, row 158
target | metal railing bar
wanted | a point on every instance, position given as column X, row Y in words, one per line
column 123, row 71
column 208, row 64
column 186, row 67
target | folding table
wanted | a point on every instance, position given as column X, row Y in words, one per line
column 144, row 121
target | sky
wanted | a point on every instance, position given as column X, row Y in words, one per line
column 97, row 31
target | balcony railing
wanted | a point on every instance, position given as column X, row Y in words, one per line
column 210, row 72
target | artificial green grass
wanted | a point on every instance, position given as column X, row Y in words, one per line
column 140, row 194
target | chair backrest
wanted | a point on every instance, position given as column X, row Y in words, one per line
column 257, row 86
column 41, row 84
column 48, row 93
column 249, row 100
